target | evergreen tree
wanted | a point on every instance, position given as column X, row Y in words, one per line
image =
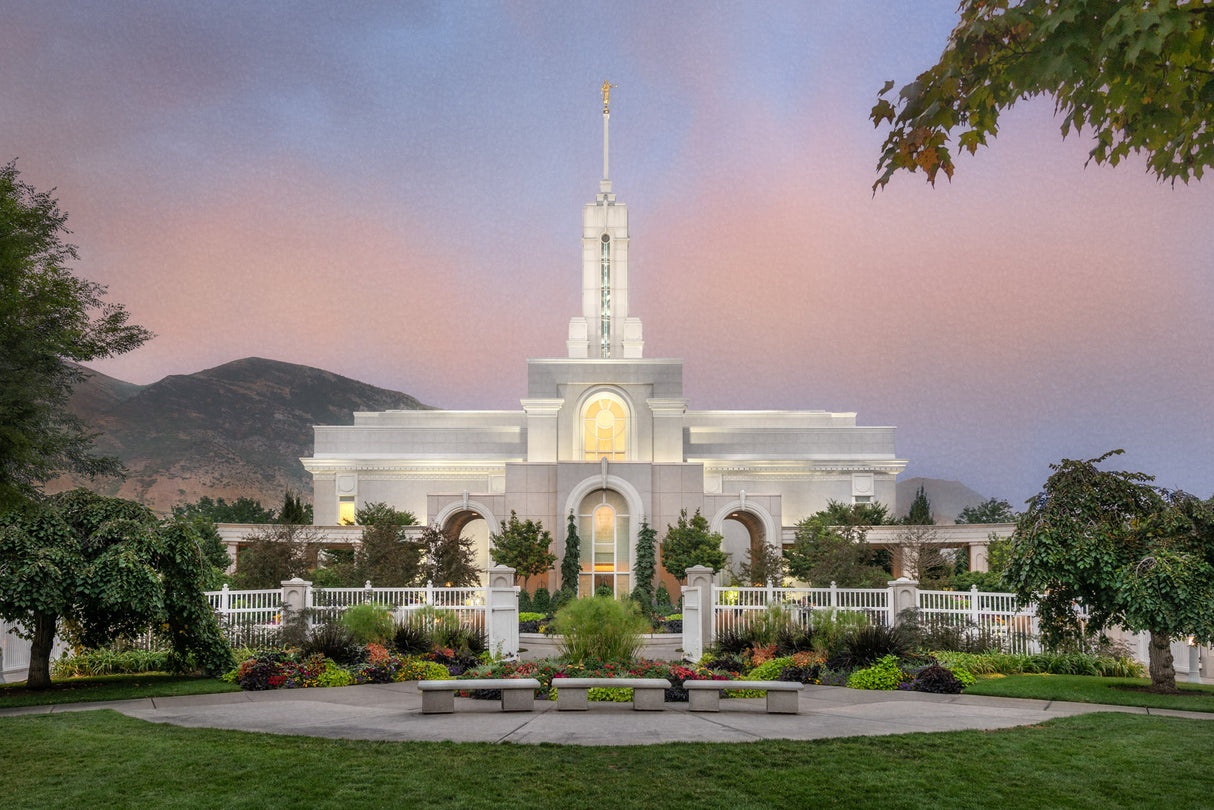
column 646, row 564
column 523, row 545
column 571, row 564
column 920, row 513
column 294, row 510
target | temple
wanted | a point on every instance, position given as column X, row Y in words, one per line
column 604, row 434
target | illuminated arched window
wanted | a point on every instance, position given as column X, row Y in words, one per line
column 604, row 529
column 605, row 429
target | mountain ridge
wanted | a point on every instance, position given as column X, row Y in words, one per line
column 235, row 430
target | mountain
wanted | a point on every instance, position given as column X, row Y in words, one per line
column 235, row 430
column 947, row 498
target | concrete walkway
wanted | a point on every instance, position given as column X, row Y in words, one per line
column 393, row 712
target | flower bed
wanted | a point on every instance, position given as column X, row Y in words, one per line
column 291, row 669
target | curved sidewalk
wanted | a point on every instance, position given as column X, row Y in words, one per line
column 393, row 712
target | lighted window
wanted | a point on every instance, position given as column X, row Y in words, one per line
column 606, row 430
column 603, row 527
column 345, row 510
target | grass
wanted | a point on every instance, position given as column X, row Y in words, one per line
column 1106, row 761
column 1089, row 689
column 111, row 687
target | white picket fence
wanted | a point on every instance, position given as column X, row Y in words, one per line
column 254, row 618
column 995, row 614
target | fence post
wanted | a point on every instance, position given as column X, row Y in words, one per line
column 430, row 588
column 903, row 594
column 501, row 611
column 974, row 604
column 700, row 576
column 296, row 597
column 834, row 595
column 770, row 597
column 225, row 600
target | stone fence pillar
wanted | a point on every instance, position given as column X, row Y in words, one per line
column 296, row 598
column 501, row 612
column 698, row 618
column 903, row 594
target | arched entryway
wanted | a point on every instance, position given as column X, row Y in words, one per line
column 747, row 529
column 474, row 522
column 604, row 534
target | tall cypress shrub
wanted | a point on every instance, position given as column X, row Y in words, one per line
column 646, row 562
column 571, row 564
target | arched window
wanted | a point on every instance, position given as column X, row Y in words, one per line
column 603, row 527
column 605, row 429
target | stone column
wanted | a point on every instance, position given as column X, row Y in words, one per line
column 978, row 556
column 903, row 594
column 501, row 612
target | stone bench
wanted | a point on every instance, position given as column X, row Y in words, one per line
column 705, row 696
column 438, row 697
column 573, row 694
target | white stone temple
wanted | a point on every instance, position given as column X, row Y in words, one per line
column 606, row 434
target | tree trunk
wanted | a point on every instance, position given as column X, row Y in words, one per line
column 40, row 651
column 1163, row 674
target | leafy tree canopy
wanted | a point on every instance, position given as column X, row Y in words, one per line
column 450, row 560
column 379, row 512
column 691, row 543
column 106, row 568
column 831, row 546
column 274, row 553
column 1134, row 555
column 523, row 545
column 49, row 320
column 294, row 510
column 993, row 510
column 386, row 557
column 1138, row 76
column 241, row 510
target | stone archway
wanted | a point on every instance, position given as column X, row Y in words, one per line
column 746, row 527
column 474, row 521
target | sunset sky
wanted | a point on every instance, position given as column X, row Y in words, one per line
column 392, row 191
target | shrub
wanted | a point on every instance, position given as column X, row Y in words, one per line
column 464, row 640
column 769, row 670
column 599, row 627
column 109, row 662
column 412, row 638
column 524, row 601
column 938, row 680
column 828, row 627
column 767, row 626
column 333, row 675
column 336, row 642
column 604, row 590
column 370, row 623
column 884, row 674
column 560, row 599
column 541, row 600
column 793, row 639
column 947, row 633
column 662, row 597
column 865, row 646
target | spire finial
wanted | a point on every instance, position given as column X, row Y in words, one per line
column 607, row 96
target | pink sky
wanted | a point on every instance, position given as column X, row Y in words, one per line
column 395, row 196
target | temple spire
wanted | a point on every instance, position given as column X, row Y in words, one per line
column 605, row 183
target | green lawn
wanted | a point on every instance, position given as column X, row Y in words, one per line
column 1105, row 761
column 1088, row 689
column 111, row 687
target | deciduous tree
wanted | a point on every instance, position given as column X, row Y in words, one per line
column 386, row 557
column 1134, row 555
column 524, row 546
column 1138, row 76
column 831, row 546
column 106, row 568
column 993, row 510
column 450, row 560
column 49, row 320
column 691, row 543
